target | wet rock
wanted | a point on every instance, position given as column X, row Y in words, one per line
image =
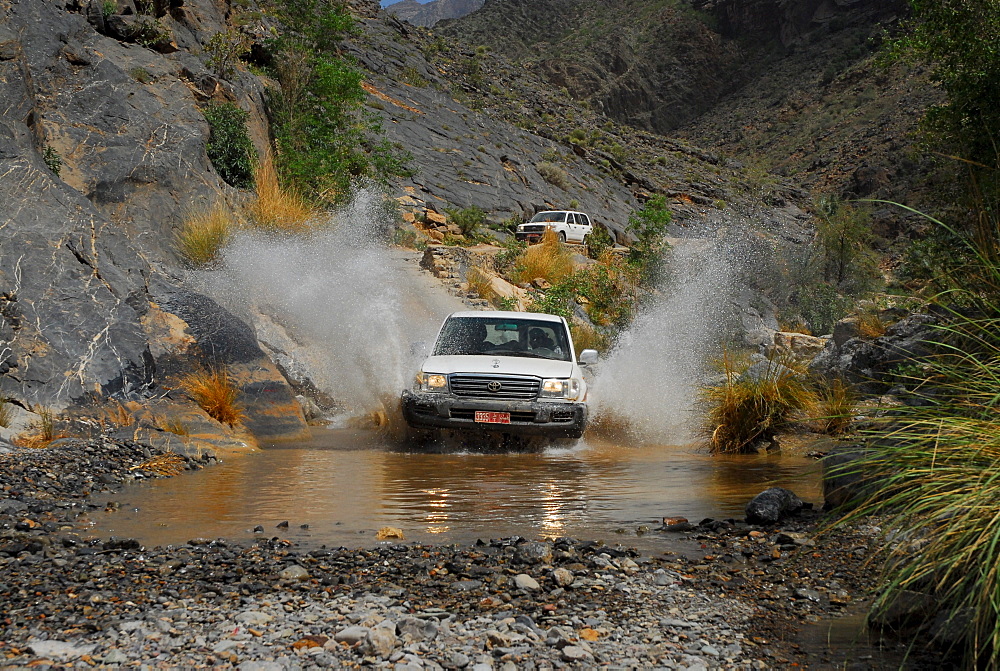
column 772, row 505
column 534, row 553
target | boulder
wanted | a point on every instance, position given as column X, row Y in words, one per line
column 772, row 505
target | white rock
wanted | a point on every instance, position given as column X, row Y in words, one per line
column 525, row 581
column 60, row 650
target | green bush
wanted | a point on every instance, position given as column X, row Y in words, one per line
column 229, row 145
column 470, row 219
column 553, row 174
column 599, row 241
column 648, row 227
column 52, row 159
column 224, row 50
column 325, row 140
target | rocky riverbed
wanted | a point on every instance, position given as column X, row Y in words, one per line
column 729, row 595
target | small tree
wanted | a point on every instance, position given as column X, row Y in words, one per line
column 649, row 228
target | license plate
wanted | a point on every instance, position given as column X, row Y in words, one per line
column 492, row 417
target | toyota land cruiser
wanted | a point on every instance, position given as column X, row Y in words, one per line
column 508, row 372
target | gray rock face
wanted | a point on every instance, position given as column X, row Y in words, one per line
column 864, row 361
column 102, row 148
column 429, row 13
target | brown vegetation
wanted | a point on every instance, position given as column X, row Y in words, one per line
column 214, row 391
column 277, row 208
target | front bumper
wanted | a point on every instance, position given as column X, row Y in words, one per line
column 549, row 419
column 530, row 236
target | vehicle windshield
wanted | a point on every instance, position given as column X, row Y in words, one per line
column 548, row 216
column 503, row 337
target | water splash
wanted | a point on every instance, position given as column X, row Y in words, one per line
column 330, row 305
column 647, row 387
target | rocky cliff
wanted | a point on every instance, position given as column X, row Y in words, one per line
column 102, row 147
column 429, row 13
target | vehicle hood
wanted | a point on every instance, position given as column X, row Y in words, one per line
column 498, row 365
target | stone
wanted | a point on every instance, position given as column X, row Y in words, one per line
column 563, row 577
column 526, row 582
column 379, row 642
column 772, row 505
column 254, row 618
column 351, row 635
column 575, row 654
column 389, row 533
column 534, row 552
column 60, row 650
column 294, row 573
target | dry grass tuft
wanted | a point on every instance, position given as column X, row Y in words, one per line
column 276, row 208
column 214, row 391
column 166, row 465
column 117, row 415
column 479, row 281
column 743, row 412
column 205, row 233
column 42, row 431
column 870, row 324
column 587, row 337
column 6, row 413
column 834, row 408
column 173, row 425
column 549, row 260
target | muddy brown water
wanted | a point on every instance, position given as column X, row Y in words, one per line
column 346, row 484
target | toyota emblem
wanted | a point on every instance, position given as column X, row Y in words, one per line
column 493, row 386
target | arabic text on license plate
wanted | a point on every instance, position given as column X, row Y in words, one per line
column 492, row 417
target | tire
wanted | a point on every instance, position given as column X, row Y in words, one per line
column 562, row 237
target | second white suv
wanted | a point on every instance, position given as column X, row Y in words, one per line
column 568, row 225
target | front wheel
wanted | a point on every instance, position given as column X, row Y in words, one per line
column 562, row 236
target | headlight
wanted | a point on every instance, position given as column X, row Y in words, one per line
column 431, row 382
column 568, row 389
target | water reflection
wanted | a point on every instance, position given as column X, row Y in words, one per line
column 344, row 490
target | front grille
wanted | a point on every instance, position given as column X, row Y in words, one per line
column 533, row 228
column 561, row 416
column 515, row 416
column 478, row 386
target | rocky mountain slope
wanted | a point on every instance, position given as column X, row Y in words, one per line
column 103, row 151
column 429, row 13
column 792, row 88
column 103, row 156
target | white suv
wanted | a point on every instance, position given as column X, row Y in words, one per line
column 503, row 372
column 569, row 226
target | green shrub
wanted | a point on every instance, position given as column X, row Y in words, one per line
column 148, row 32
column 229, row 145
column 52, row 160
column 109, row 8
column 325, row 139
column 204, row 233
column 745, row 410
column 6, row 413
column 141, row 75
column 553, row 174
column 224, row 50
column 599, row 240
column 648, row 227
column 469, row 219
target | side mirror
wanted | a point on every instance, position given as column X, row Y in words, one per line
column 419, row 348
column 588, row 356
